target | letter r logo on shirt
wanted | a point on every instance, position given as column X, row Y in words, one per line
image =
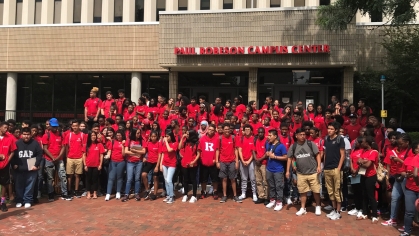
column 209, row 147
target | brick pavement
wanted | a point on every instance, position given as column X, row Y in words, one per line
column 97, row 217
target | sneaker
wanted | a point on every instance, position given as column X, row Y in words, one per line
column 211, row 190
column 66, row 197
column 259, row 201
column 77, row 194
column 185, row 198
column 328, row 208
column 390, row 222
column 182, row 190
column 343, row 209
column 359, row 215
column 353, row 212
column 147, row 195
column 404, row 234
column 163, row 194
column 118, row 196
column 266, row 202
column 170, row 200
column 50, row 197
column 301, row 212
column 4, row 207
column 166, row 199
column 18, row 205
column 278, row 206
column 374, row 220
column 84, row 194
column 203, row 194
column 107, row 197
column 336, row 216
column 318, row 210
column 193, row 199
column 255, row 197
column 137, row 197
column 215, row 195
column 152, row 189
column 125, row 198
column 152, row 197
column 237, row 199
column 401, row 229
column 271, row 203
column 331, row 214
column 289, row 201
column 27, row 205
column 243, row 196
column 223, row 199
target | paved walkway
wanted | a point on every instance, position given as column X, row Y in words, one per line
column 208, row 217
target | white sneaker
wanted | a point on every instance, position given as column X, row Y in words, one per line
column 182, row 190
column 193, row 199
column 331, row 214
column 336, row 216
column 318, row 210
column 359, row 214
column 289, row 202
column 271, row 204
column 27, row 205
column 18, row 205
column 152, row 189
column 353, row 212
column 185, row 198
column 328, row 208
column 211, row 190
column 118, row 196
column 84, row 194
column 374, row 220
column 243, row 196
column 107, row 197
column 255, row 197
column 166, row 199
column 278, row 206
column 301, row 212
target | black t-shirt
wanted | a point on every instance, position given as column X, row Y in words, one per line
column 332, row 150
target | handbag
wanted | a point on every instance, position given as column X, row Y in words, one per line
column 381, row 172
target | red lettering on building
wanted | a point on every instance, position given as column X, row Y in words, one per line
column 250, row 50
column 209, row 50
column 240, row 50
column 307, row 48
column 295, row 49
column 233, row 50
column 202, row 50
column 266, row 50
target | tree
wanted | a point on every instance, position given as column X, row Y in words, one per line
column 338, row 15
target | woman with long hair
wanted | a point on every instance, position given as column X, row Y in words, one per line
column 156, row 127
column 310, row 112
column 286, row 113
column 189, row 153
column 116, row 153
column 218, row 115
column 168, row 163
column 92, row 160
column 151, row 163
column 356, row 187
column 363, row 119
column 227, row 106
column 171, row 105
column 319, row 120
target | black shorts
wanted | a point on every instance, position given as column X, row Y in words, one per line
column 210, row 171
column 228, row 170
column 5, row 175
column 147, row 167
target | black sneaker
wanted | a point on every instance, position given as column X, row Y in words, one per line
column 152, row 197
column 4, row 207
column 137, row 197
column 223, row 199
column 67, row 197
column 237, row 199
column 343, row 209
column 124, row 198
column 50, row 197
column 260, row 201
column 77, row 194
column 215, row 195
column 203, row 194
column 266, row 202
column 147, row 195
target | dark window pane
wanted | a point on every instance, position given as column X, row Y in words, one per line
column 228, row 4
column 275, row 3
column 155, row 84
column 182, row 5
column 42, row 91
column 205, row 4
column 64, row 93
column 97, row 11
column 1, row 11
column 118, row 10
column 139, row 10
column 218, row 80
column 377, row 16
column 19, row 6
column 324, row 2
column 299, row 3
column 77, row 11
column 161, row 6
column 3, row 83
column 38, row 10
column 300, row 76
column 249, row 3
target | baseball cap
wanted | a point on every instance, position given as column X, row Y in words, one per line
column 353, row 116
column 53, row 122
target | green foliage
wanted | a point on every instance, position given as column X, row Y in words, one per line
column 414, row 136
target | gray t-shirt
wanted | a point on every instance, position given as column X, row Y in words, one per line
column 305, row 156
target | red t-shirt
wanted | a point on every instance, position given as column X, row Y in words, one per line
column 192, row 110
column 310, row 115
column 275, row 124
column 396, row 167
column 287, row 140
column 142, row 108
column 293, row 128
column 217, row 119
column 54, row 143
column 182, row 121
column 267, row 128
column 346, row 121
column 355, row 155
column 8, row 145
column 154, row 110
column 202, row 116
column 76, row 144
column 169, row 158
column 106, row 106
column 379, row 134
column 247, row 145
column 188, row 154
column 371, row 155
column 116, row 150
column 260, row 149
column 319, row 143
column 409, row 165
column 362, row 120
column 255, row 127
column 93, row 154
column 153, row 152
column 163, row 123
column 353, row 131
column 207, row 147
column 241, row 109
column 92, row 105
column 129, row 116
column 119, row 104
column 319, row 124
column 227, row 149
column 146, row 135
column 130, row 158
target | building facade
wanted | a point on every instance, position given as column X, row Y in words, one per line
column 54, row 51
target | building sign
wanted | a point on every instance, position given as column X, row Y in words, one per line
column 253, row 50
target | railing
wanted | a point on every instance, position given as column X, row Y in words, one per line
column 39, row 116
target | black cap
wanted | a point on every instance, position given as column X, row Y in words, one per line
column 353, row 115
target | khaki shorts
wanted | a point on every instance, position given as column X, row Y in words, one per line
column 74, row 166
column 305, row 183
column 333, row 179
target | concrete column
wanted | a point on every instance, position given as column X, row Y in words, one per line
column 128, row 11
column 108, row 7
column 173, row 84
column 28, row 12
column 253, row 85
column 287, row 3
column 11, row 96
column 194, row 5
column 172, row 5
column 9, row 12
column 47, row 16
column 87, row 11
column 136, row 79
column 150, row 9
column 216, row 4
column 67, row 7
column 348, row 83
column 263, row 4
column 239, row 4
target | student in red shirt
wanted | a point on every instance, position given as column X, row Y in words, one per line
column 275, row 122
column 285, row 138
column 129, row 113
column 116, row 153
column 260, row 167
column 255, row 123
column 379, row 130
column 151, row 163
column 168, row 163
column 208, row 144
column 152, row 108
column 6, row 154
column 106, row 105
column 202, row 114
column 188, row 151
column 310, row 112
column 363, row 117
column 182, row 118
column 296, row 123
column 164, row 122
column 246, row 148
column 92, row 107
column 319, row 120
column 120, row 101
column 217, row 116
column 241, row 109
column 193, row 108
column 141, row 109
column 352, row 130
column 356, row 187
column 267, row 125
column 92, row 159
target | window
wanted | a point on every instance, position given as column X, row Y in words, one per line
column 182, row 5
column 64, row 93
column 249, row 3
column 139, row 10
column 1, row 11
column 38, row 11
column 324, row 2
column 376, row 16
column 205, row 4
column 118, row 11
column 161, row 6
column 77, row 11
column 299, row 3
column 275, row 3
column 97, row 11
column 19, row 5
column 228, row 4
column 57, row 11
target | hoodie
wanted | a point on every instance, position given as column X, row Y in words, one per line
column 24, row 151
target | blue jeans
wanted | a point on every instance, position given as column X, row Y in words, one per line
column 410, row 198
column 396, row 194
column 134, row 173
column 50, row 168
column 25, row 185
column 168, row 173
column 116, row 171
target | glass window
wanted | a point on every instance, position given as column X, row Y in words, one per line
column 324, row 2
column 64, row 93
column 1, row 11
column 85, row 83
column 161, row 6
column 3, row 83
column 376, row 16
column 38, row 11
column 155, row 84
column 300, row 76
column 208, row 79
column 249, row 3
column 97, row 11
column 139, row 10
column 205, row 4
column 77, row 11
column 118, row 10
column 183, row 5
column 19, row 5
column 228, row 4
column 57, row 11
column 299, row 3
column 24, row 90
column 275, row 3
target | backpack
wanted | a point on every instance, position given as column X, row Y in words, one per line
column 309, row 143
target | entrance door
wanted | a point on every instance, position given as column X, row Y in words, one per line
column 212, row 93
column 293, row 94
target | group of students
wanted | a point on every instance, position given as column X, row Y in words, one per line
column 287, row 154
